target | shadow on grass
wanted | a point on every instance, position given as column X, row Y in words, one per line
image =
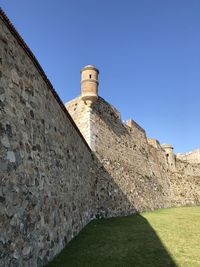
column 124, row 241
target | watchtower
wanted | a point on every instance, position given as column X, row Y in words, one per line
column 89, row 83
column 170, row 155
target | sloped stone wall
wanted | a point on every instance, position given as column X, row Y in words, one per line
column 185, row 184
column 135, row 175
column 137, row 170
column 191, row 156
column 81, row 115
column 46, row 168
column 51, row 183
column 139, row 167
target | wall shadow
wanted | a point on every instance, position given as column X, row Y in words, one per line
column 128, row 241
column 109, row 241
column 123, row 242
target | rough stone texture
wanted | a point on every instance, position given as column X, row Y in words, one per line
column 191, row 156
column 81, row 113
column 46, row 169
column 138, row 173
column 185, row 184
column 137, row 177
column 51, row 183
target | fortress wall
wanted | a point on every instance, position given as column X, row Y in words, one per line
column 191, row 156
column 185, row 184
column 137, row 169
column 46, row 168
column 158, row 163
column 81, row 116
column 190, row 169
column 52, row 184
column 131, row 173
column 136, row 175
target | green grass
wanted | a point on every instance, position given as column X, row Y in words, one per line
column 165, row 237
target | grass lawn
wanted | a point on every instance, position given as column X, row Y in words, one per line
column 165, row 237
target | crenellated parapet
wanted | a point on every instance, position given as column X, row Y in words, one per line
column 131, row 123
column 154, row 142
column 60, row 170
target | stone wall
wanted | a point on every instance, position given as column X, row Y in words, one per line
column 137, row 175
column 185, row 184
column 191, row 156
column 137, row 170
column 46, row 167
column 56, row 175
column 81, row 115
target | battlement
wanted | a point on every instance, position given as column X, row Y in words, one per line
column 154, row 142
column 131, row 123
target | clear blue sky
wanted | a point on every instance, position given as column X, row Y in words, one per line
column 147, row 51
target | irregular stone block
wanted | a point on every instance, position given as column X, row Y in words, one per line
column 11, row 156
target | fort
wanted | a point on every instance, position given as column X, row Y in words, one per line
column 62, row 166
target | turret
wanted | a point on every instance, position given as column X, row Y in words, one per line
column 89, row 84
column 169, row 151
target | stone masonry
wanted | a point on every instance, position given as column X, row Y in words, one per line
column 62, row 166
column 143, row 174
column 46, row 167
column 191, row 156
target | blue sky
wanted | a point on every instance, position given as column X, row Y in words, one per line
column 147, row 51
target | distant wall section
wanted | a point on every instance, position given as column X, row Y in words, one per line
column 134, row 175
column 191, row 156
column 137, row 168
column 185, row 184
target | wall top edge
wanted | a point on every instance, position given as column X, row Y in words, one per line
column 28, row 51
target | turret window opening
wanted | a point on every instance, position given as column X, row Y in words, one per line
column 90, row 76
